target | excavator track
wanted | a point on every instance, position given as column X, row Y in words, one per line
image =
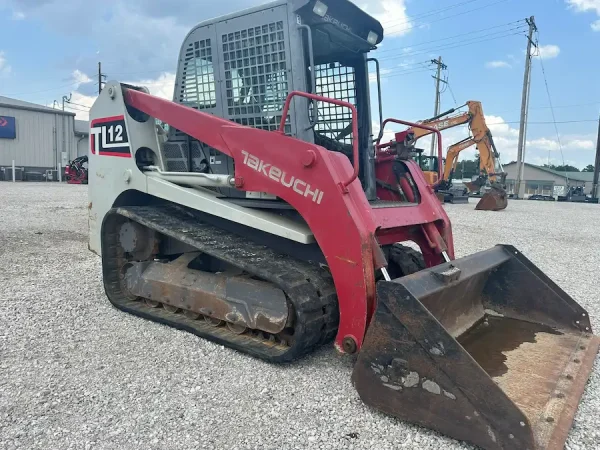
column 309, row 290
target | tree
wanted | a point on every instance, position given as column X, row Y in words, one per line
column 588, row 168
column 466, row 168
column 563, row 168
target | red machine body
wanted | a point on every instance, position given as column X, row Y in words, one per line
column 313, row 179
column 76, row 172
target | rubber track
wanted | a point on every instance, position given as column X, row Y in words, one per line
column 309, row 289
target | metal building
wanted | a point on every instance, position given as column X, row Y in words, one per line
column 545, row 181
column 40, row 140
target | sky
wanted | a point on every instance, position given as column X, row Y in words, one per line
column 51, row 48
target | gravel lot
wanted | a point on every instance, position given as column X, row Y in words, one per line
column 77, row 373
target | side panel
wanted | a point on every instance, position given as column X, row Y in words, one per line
column 114, row 140
column 112, row 174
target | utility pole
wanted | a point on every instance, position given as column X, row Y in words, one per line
column 66, row 99
column 596, row 166
column 524, row 106
column 436, row 110
column 100, row 77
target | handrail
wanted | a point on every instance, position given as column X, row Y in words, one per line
column 376, row 61
column 424, row 127
column 334, row 101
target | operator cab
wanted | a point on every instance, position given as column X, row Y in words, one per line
column 242, row 67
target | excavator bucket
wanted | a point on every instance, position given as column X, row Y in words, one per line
column 493, row 200
column 485, row 349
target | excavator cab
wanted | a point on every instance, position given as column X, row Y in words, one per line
column 428, row 164
column 266, row 220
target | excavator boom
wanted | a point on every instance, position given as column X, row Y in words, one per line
column 441, row 124
column 490, row 168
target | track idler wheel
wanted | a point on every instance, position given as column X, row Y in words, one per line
column 191, row 314
column 236, row 329
column 170, row 308
column 213, row 322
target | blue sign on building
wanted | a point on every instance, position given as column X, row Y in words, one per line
column 8, row 128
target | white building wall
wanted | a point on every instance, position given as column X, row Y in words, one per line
column 83, row 145
column 41, row 137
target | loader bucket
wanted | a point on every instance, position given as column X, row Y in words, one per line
column 494, row 200
column 485, row 349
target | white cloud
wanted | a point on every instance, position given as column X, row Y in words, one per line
column 581, row 144
column 18, row 15
column 585, row 6
column 4, row 67
column 546, row 51
column 388, row 133
column 391, row 13
column 497, row 64
column 80, row 104
column 544, row 144
column 406, row 64
column 162, row 86
column 80, row 78
column 382, row 73
column 568, row 143
column 499, row 127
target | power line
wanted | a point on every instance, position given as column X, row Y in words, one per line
column 407, row 72
column 555, row 107
column 427, row 13
column 545, row 123
column 454, row 15
column 565, row 106
column 539, row 54
column 76, row 109
column 77, row 104
column 170, row 70
column 451, row 93
column 470, row 33
column 464, row 43
column 44, row 90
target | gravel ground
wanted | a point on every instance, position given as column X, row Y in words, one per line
column 77, row 373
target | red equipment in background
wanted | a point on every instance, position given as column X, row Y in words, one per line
column 76, row 171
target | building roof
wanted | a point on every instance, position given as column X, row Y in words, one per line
column 82, row 127
column 588, row 177
column 20, row 104
column 576, row 176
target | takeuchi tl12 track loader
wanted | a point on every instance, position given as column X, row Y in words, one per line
column 256, row 222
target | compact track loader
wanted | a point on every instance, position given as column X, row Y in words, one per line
column 258, row 221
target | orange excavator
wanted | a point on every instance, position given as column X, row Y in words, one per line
column 490, row 169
